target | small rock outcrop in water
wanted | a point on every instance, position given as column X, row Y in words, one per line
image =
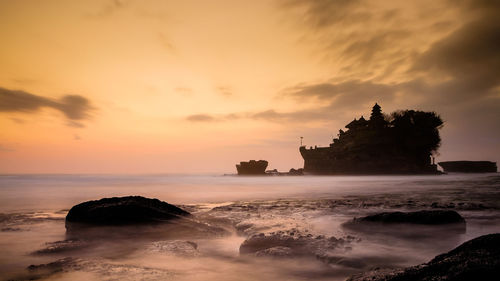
column 469, row 166
column 123, row 211
column 476, row 259
column 296, row 172
column 433, row 217
column 252, row 167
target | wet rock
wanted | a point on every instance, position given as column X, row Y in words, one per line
column 174, row 247
column 101, row 269
column 4, row 217
column 62, row 246
column 411, row 225
column 476, row 259
column 343, row 261
column 243, row 227
column 50, row 268
column 290, row 244
column 123, row 211
column 278, row 251
column 296, row 172
column 471, row 206
column 10, row 229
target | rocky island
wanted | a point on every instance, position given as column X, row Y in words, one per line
column 400, row 143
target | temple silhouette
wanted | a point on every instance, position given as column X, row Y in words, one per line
column 400, row 143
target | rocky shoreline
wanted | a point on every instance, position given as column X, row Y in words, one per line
column 167, row 230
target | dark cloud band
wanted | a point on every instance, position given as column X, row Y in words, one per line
column 74, row 107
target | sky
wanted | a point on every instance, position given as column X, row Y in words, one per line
column 156, row 86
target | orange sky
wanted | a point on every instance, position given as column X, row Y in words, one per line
column 157, row 86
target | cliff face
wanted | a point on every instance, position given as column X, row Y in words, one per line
column 399, row 144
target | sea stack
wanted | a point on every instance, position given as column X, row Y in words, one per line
column 252, row 167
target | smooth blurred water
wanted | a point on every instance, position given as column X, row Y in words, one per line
column 52, row 192
column 33, row 207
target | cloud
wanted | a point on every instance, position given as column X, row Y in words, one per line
column 166, row 42
column 369, row 47
column 225, row 91
column 271, row 115
column 323, row 13
column 365, row 40
column 200, row 118
column 184, row 91
column 301, row 116
column 461, row 62
column 345, row 94
column 74, row 107
column 24, row 81
column 75, row 124
column 484, row 6
column 470, row 56
column 6, row 148
column 108, row 9
column 17, row 120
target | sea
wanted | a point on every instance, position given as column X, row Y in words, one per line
column 242, row 228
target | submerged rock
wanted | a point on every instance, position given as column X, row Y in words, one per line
column 283, row 244
column 98, row 268
column 174, row 247
column 62, row 246
column 476, row 259
column 10, row 229
column 423, row 223
column 278, row 251
column 123, row 211
column 50, row 268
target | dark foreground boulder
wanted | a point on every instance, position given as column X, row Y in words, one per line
column 476, row 259
column 123, row 211
column 135, row 218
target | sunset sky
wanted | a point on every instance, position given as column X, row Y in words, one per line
column 155, row 86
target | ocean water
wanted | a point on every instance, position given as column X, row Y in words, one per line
column 268, row 211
